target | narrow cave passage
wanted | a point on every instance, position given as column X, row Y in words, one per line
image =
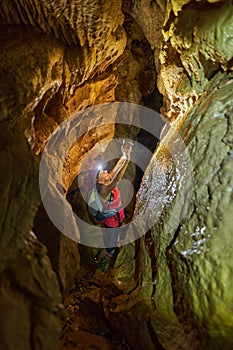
column 75, row 264
column 86, row 323
column 83, row 310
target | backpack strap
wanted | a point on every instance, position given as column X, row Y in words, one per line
column 97, row 209
column 97, row 199
column 94, row 201
column 111, row 198
column 119, row 218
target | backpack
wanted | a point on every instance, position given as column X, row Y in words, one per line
column 96, row 207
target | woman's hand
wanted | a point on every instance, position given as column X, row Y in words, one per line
column 126, row 148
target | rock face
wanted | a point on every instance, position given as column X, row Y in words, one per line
column 48, row 51
column 184, row 270
column 171, row 288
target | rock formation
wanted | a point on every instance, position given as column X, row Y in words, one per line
column 170, row 288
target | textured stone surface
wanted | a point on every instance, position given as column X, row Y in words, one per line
column 193, row 52
column 187, row 272
column 173, row 289
column 205, row 236
column 191, row 266
column 62, row 251
column 48, row 51
column 53, row 73
column 135, row 68
column 30, row 299
column 187, row 52
column 76, row 23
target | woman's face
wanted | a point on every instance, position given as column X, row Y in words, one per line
column 104, row 177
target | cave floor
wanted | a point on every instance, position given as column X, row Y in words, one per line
column 85, row 326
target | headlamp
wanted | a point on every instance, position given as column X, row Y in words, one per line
column 99, row 168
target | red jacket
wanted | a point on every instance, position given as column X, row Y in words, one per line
column 116, row 203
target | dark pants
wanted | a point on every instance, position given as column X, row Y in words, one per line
column 111, row 238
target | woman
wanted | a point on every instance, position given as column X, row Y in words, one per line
column 109, row 193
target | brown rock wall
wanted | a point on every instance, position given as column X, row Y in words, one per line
column 48, row 51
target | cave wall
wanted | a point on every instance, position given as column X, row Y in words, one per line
column 61, row 57
column 48, row 70
column 187, row 271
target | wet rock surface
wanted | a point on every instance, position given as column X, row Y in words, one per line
column 188, row 272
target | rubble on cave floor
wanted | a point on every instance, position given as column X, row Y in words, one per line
column 85, row 325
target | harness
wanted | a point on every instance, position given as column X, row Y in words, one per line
column 114, row 203
column 111, row 198
column 102, row 210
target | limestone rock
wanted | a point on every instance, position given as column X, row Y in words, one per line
column 31, row 306
column 48, row 50
column 76, row 23
column 62, row 251
column 192, row 53
column 188, row 271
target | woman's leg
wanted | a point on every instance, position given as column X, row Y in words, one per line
column 111, row 237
